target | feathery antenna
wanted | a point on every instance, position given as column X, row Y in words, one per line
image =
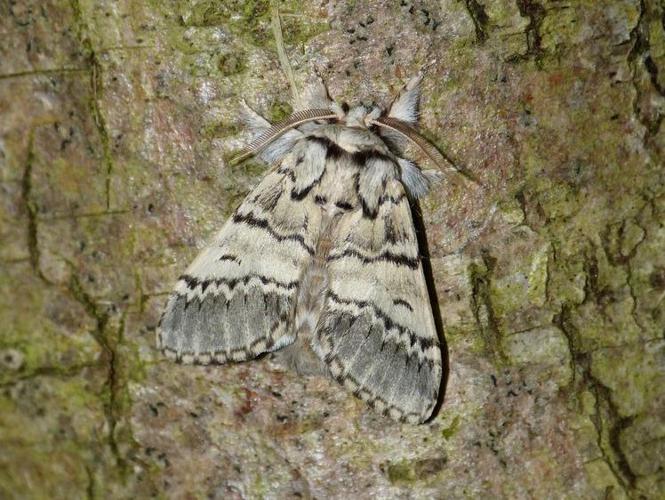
column 278, row 129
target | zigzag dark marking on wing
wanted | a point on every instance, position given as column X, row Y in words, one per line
column 193, row 283
column 385, row 256
column 253, row 221
column 388, row 324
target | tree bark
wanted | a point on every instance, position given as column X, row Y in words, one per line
column 117, row 120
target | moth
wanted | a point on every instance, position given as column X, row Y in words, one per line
column 320, row 263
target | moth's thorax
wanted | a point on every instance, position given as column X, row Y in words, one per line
column 352, row 139
column 341, row 168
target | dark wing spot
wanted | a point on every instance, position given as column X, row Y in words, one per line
column 404, row 303
column 344, row 205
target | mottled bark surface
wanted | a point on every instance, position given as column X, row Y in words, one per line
column 115, row 121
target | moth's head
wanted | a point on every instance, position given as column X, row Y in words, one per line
column 361, row 116
column 399, row 119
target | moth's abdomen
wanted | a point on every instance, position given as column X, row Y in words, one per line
column 310, row 300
